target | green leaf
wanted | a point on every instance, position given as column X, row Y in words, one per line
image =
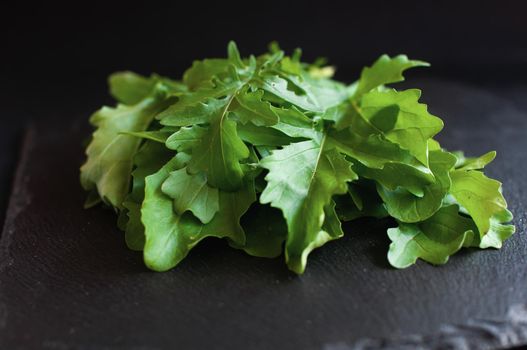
column 250, row 107
column 157, row 136
column 149, row 159
column 279, row 87
column 498, row 231
column 294, row 123
column 321, row 72
column 433, row 145
column 186, row 138
column 219, row 155
column 265, row 231
column 202, row 72
column 110, row 153
column 302, row 179
column 264, row 151
column 169, row 237
column 200, row 112
column 191, row 107
column 361, row 200
column 92, row 199
column 478, row 163
column 401, row 119
column 332, row 225
column 270, row 61
column 432, row 240
column 234, row 55
column 383, row 161
column 384, row 71
column 263, row 136
column 216, row 150
column 291, row 66
column 220, row 149
column 374, row 151
column 479, row 195
column 326, row 93
column 340, row 115
column 130, row 88
column 191, row 193
column 407, row 207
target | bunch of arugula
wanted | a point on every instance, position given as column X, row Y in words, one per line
column 184, row 160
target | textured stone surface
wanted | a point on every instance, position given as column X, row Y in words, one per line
column 67, row 279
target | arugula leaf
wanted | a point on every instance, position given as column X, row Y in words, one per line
column 479, row 195
column 498, row 231
column 432, row 240
column 407, row 207
column 110, row 154
column 220, row 150
column 327, row 93
column 130, row 88
column 191, row 192
column 169, row 237
column 383, row 161
column 302, row 179
column 478, row 163
column 361, row 200
column 249, row 107
column 219, row 155
column 92, row 199
column 202, row 73
column 278, row 86
column 258, row 136
column 396, row 115
column 265, row 232
column 217, row 149
column 294, row 123
column 186, row 138
column 401, row 119
column 190, row 106
column 157, row 136
column 149, row 159
column 384, row 71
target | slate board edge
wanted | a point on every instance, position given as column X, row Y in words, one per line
column 18, row 198
column 474, row 334
column 507, row 332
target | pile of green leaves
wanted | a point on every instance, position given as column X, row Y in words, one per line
column 278, row 142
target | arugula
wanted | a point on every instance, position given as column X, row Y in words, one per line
column 302, row 179
column 272, row 154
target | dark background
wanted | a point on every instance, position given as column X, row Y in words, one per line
column 55, row 58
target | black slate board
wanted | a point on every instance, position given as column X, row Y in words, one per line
column 68, row 281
